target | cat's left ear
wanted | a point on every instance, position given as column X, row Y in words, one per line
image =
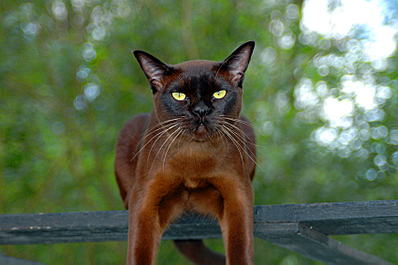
column 236, row 64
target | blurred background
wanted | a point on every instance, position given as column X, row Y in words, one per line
column 321, row 90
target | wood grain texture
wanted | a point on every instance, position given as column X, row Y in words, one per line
column 302, row 228
column 341, row 218
column 314, row 245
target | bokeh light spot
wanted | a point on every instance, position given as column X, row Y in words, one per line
column 89, row 53
column 80, row 102
column 59, row 10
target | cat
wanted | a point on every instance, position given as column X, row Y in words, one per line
column 193, row 152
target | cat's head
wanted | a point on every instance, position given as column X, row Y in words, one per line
column 197, row 96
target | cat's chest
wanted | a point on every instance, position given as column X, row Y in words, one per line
column 196, row 160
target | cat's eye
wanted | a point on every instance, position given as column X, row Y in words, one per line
column 178, row 96
column 220, row 94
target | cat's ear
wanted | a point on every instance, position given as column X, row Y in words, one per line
column 236, row 64
column 153, row 68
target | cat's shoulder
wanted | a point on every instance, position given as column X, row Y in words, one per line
column 136, row 123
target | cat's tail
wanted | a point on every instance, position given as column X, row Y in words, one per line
column 198, row 253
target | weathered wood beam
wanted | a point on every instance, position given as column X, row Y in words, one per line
column 340, row 218
column 302, row 228
column 314, row 245
column 63, row 227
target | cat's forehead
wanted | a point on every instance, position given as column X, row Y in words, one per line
column 197, row 67
column 199, row 76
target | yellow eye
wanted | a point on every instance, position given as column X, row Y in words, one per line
column 220, row 94
column 178, row 96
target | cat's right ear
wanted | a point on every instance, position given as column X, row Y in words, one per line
column 236, row 64
column 153, row 68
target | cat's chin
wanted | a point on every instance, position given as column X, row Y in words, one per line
column 201, row 133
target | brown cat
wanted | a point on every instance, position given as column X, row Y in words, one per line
column 193, row 152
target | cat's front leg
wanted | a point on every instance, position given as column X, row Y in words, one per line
column 150, row 210
column 236, row 220
column 144, row 231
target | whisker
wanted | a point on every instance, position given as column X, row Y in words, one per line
column 167, row 139
column 213, row 135
column 161, row 134
column 149, row 141
column 142, row 147
column 160, row 125
column 218, row 134
column 239, row 139
column 243, row 148
column 172, row 141
column 221, row 134
column 241, row 130
column 258, row 130
column 234, row 142
column 249, row 124
column 244, row 138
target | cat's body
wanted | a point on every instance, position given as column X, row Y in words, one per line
column 193, row 152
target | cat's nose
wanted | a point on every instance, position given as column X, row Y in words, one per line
column 201, row 109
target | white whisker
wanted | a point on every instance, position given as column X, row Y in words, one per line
column 243, row 142
column 245, row 139
column 161, row 134
column 225, row 131
column 179, row 130
column 158, row 135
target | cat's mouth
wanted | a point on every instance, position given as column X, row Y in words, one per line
column 201, row 128
column 201, row 132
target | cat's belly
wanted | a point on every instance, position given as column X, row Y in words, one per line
column 204, row 200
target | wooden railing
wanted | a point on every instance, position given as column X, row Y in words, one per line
column 303, row 228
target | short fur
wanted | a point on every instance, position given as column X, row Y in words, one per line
column 196, row 154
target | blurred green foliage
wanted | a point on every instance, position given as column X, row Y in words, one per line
column 68, row 82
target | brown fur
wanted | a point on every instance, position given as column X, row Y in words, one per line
column 162, row 171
